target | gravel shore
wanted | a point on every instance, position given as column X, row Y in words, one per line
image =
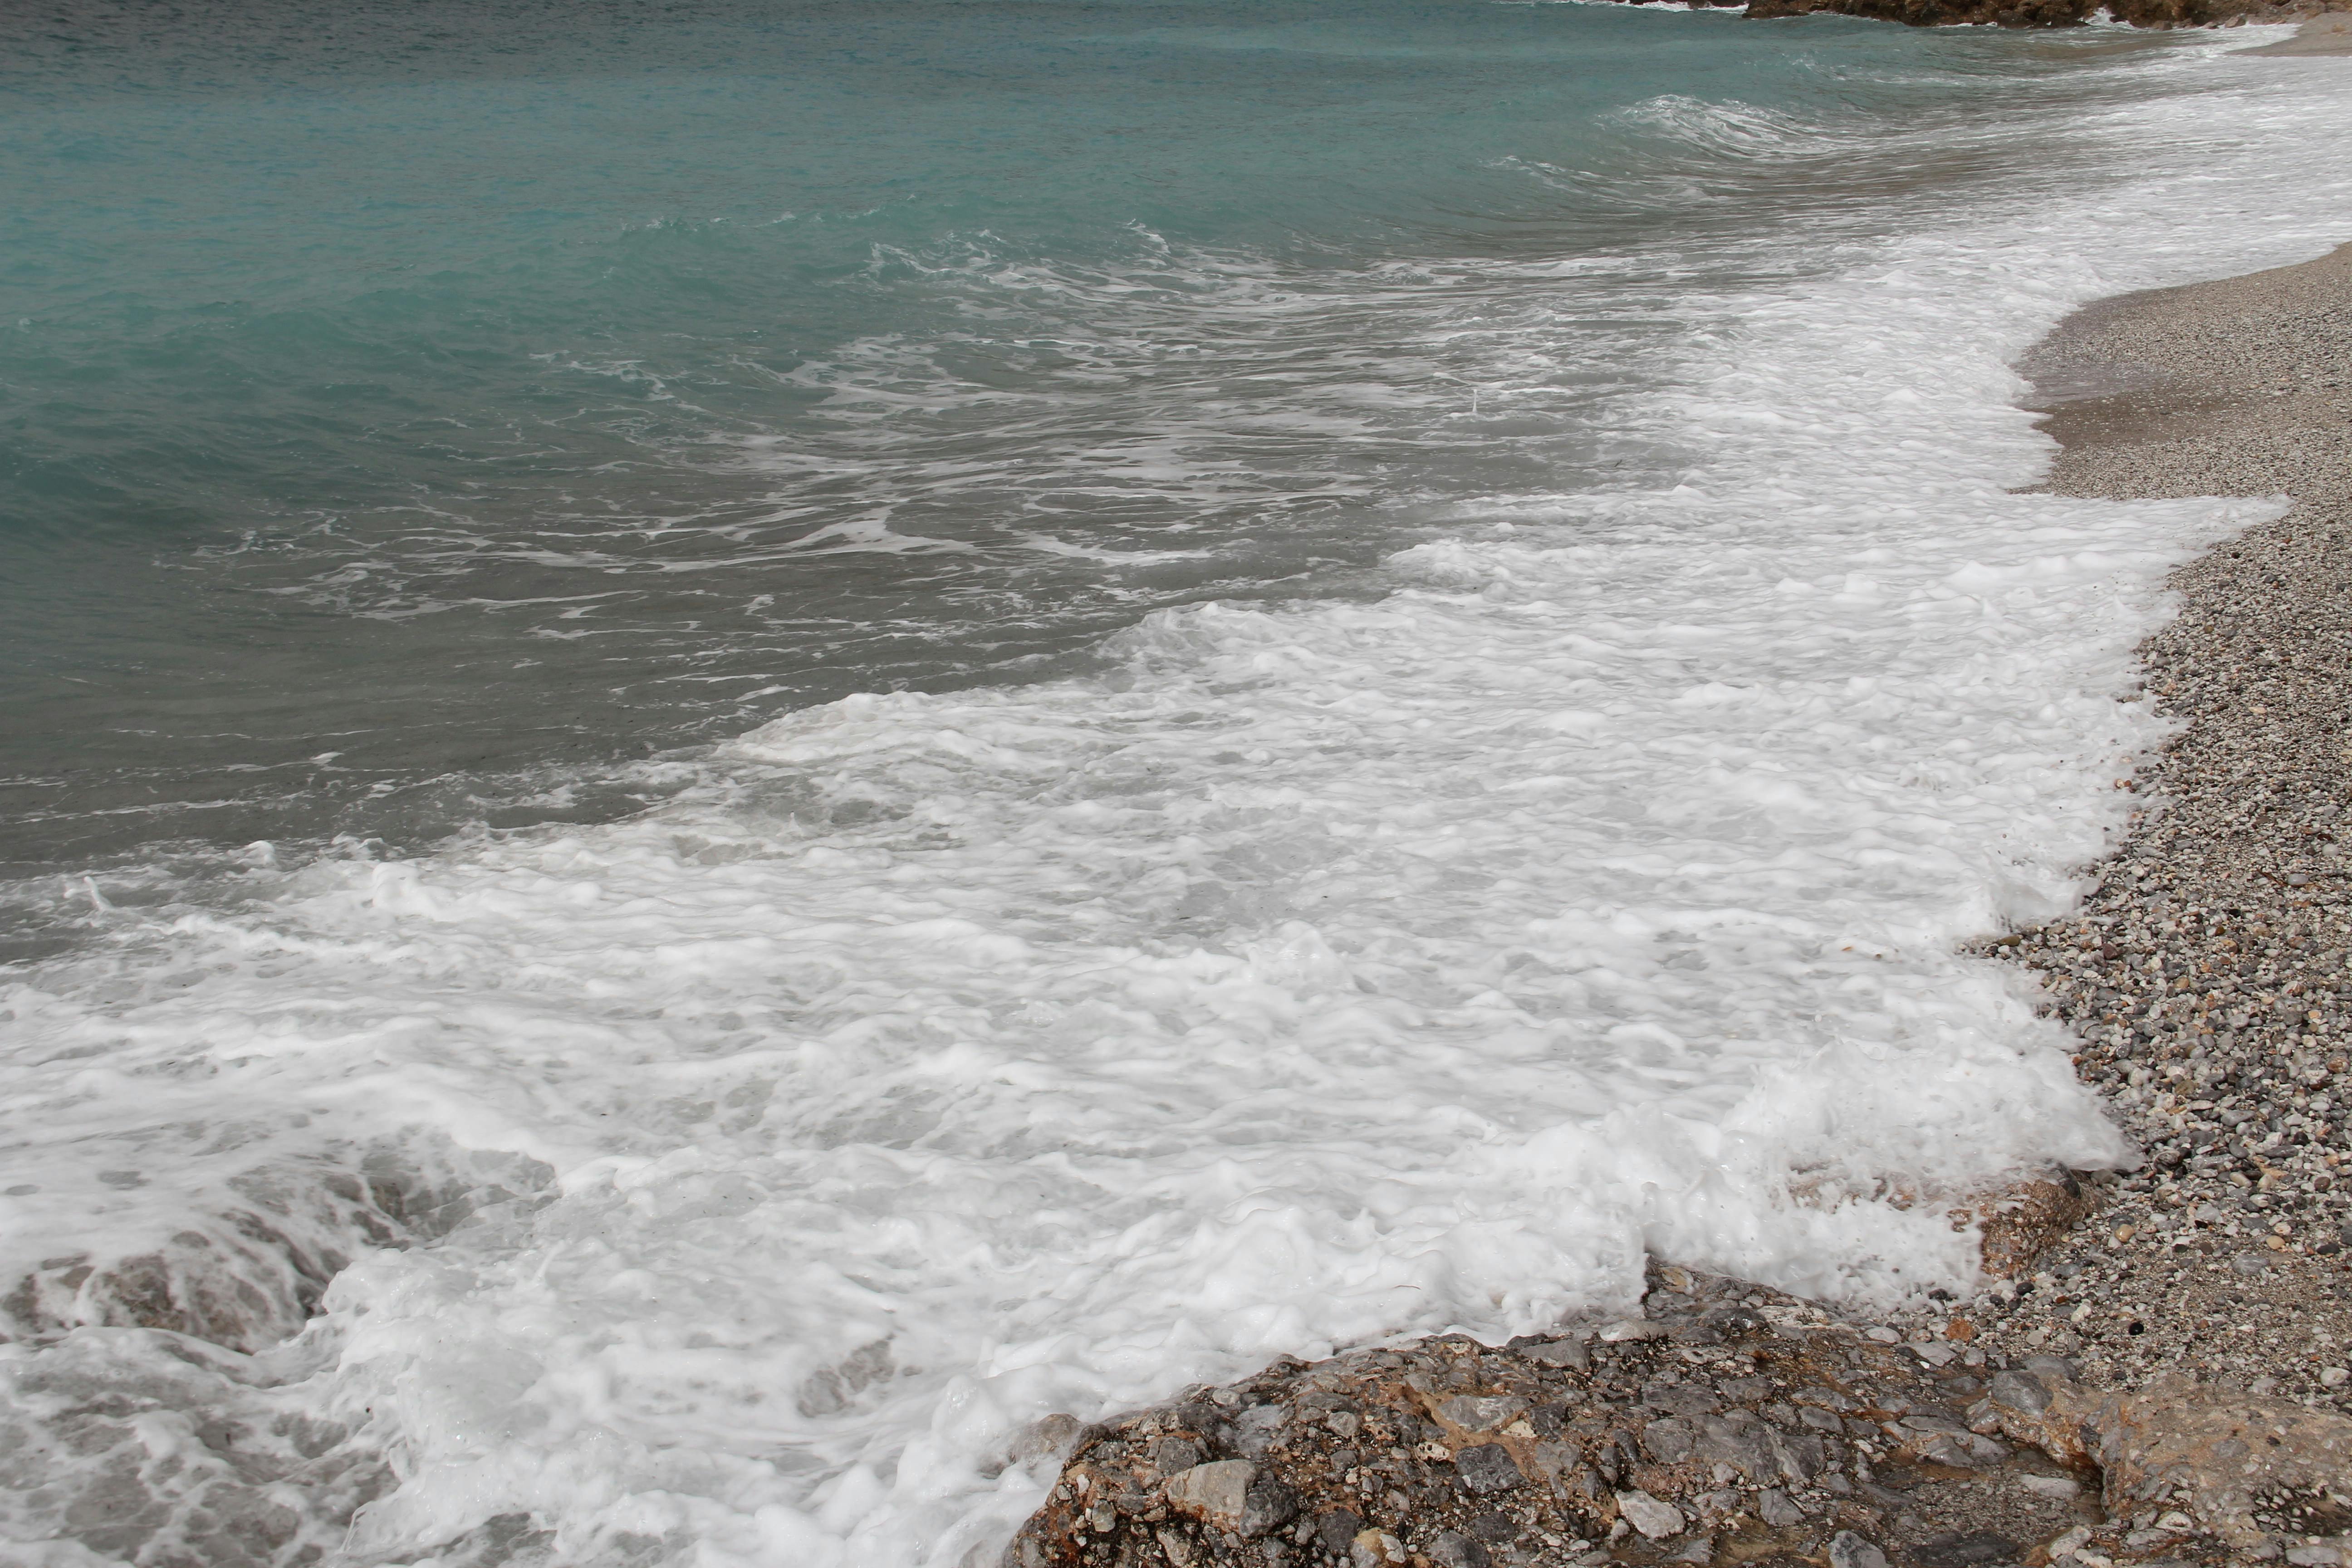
column 2207, row 974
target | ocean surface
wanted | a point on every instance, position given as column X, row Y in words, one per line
column 744, row 741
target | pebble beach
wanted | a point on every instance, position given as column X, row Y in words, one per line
column 2207, row 974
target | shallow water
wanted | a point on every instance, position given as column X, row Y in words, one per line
column 749, row 744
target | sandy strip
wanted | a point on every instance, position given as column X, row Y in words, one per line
column 2208, row 973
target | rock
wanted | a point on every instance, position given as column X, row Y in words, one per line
column 2021, row 1391
column 2014, row 13
column 1799, row 1455
column 1740, row 1438
column 1945, row 1441
column 1256, row 1429
column 1668, row 1441
column 1657, row 1520
column 2016, row 1222
column 1632, row 1331
column 1050, row 1438
column 1679, row 1399
column 2222, row 1450
column 1458, row 1448
column 1477, row 1413
column 1336, row 1531
column 1449, row 1549
column 1487, row 1468
column 1848, row 1550
column 1173, row 1455
column 1571, row 1353
column 1231, row 1495
column 1964, row 1548
column 1493, row 1526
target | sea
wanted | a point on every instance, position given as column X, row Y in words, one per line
column 741, row 741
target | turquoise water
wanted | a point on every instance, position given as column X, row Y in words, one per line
column 413, row 411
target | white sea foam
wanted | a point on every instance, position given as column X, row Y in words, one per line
column 1316, row 974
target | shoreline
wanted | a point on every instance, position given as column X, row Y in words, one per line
column 2329, row 33
column 2206, row 973
column 2045, row 1420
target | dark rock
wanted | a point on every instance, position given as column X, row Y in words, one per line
column 1233, row 1495
column 1493, row 1526
column 1256, row 1429
column 1800, row 1456
column 1449, row 1549
column 1488, row 1467
column 1734, row 1321
column 1848, row 1550
column 1738, row 1439
column 1172, row 1455
column 1336, row 1531
column 1680, row 1399
column 1964, row 1548
column 1199, row 1417
column 1668, row 1441
column 1572, row 1354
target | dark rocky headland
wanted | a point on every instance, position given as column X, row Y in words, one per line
column 2040, row 13
column 2158, row 1368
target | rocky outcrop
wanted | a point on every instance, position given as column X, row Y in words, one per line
column 1726, row 1424
column 2239, row 1465
column 1723, row 1421
column 2046, row 13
